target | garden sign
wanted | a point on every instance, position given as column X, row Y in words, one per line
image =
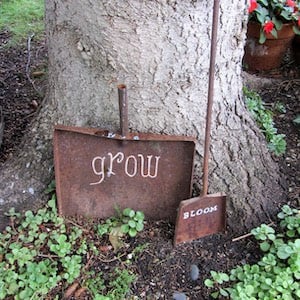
column 97, row 170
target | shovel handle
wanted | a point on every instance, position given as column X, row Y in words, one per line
column 210, row 96
column 123, row 109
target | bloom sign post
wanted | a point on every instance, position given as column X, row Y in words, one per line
column 206, row 214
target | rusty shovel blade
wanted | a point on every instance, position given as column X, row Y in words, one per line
column 97, row 170
column 199, row 217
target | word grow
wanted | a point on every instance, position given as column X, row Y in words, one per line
column 132, row 165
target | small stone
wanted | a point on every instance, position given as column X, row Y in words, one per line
column 194, row 272
column 79, row 46
column 151, row 233
column 34, row 103
column 179, row 296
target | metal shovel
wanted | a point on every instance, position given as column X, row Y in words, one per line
column 203, row 215
column 96, row 169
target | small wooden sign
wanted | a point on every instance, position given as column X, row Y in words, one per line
column 200, row 216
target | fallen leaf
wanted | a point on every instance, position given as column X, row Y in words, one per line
column 115, row 238
column 105, row 248
column 79, row 292
column 70, row 290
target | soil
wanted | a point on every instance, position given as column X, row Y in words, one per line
column 162, row 269
column 22, row 87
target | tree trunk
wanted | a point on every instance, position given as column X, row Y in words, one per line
column 160, row 50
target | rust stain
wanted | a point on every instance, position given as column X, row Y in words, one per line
column 199, row 217
column 96, row 169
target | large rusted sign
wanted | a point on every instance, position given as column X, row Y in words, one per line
column 200, row 216
column 97, row 170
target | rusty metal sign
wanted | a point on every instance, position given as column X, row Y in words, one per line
column 206, row 214
column 200, row 216
column 97, row 170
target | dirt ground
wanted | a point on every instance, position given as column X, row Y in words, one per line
column 162, row 269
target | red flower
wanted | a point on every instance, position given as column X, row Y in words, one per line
column 253, row 6
column 299, row 21
column 291, row 3
column 268, row 26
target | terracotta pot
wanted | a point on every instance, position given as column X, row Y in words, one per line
column 269, row 55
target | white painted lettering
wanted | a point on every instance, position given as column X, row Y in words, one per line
column 199, row 212
column 149, row 159
column 215, row 208
column 100, row 173
column 119, row 157
column 134, row 166
column 206, row 210
column 186, row 215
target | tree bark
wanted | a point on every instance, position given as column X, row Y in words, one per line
column 160, row 50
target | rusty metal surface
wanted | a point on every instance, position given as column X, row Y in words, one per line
column 123, row 109
column 205, row 215
column 210, row 96
column 96, row 170
column 200, row 216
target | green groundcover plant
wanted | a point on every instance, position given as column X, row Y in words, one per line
column 126, row 223
column 264, row 119
column 39, row 252
column 276, row 275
